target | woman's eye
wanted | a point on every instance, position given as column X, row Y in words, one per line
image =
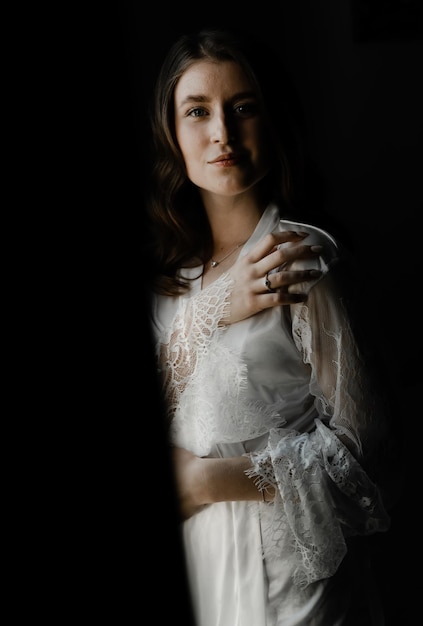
column 247, row 109
column 197, row 112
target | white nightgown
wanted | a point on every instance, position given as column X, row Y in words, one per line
column 285, row 387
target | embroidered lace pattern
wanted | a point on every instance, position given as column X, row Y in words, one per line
column 324, row 494
column 323, row 497
column 204, row 409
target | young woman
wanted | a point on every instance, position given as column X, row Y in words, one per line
column 274, row 424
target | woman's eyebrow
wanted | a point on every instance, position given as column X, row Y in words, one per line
column 202, row 98
column 193, row 98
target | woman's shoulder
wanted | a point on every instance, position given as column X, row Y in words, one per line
column 327, row 258
column 316, row 235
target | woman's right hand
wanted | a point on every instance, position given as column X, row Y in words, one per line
column 249, row 273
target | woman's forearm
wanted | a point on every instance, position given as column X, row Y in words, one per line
column 203, row 481
column 226, row 480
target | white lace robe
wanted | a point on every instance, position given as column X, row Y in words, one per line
column 287, row 388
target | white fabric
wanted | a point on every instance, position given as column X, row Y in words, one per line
column 285, row 387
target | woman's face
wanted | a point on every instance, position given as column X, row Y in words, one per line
column 220, row 128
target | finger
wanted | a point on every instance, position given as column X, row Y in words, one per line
column 281, row 281
column 279, row 258
column 292, row 253
column 285, row 278
column 268, row 300
column 268, row 244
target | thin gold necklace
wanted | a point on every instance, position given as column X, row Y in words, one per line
column 216, row 263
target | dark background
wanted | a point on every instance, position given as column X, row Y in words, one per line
column 357, row 66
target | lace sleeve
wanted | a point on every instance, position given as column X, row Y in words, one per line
column 324, row 492
column 340, row 381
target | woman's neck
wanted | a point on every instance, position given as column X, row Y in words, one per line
column 232, row 223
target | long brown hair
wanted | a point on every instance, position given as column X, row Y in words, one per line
column 179, row 233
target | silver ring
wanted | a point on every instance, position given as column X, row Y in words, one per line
column 267, row 283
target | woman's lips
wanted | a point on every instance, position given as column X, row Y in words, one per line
column 226, row 160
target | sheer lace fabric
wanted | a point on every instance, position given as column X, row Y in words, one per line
column 206, row 380
column 323, row 497
column 290, row 392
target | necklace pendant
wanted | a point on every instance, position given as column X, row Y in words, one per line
column 216, row 263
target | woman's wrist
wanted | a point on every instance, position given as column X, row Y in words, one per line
column 225, row 479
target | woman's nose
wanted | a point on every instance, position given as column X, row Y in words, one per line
column 221, row 130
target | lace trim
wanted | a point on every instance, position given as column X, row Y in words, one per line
column 187, row 339
column 204, row 410
column 323, row 497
